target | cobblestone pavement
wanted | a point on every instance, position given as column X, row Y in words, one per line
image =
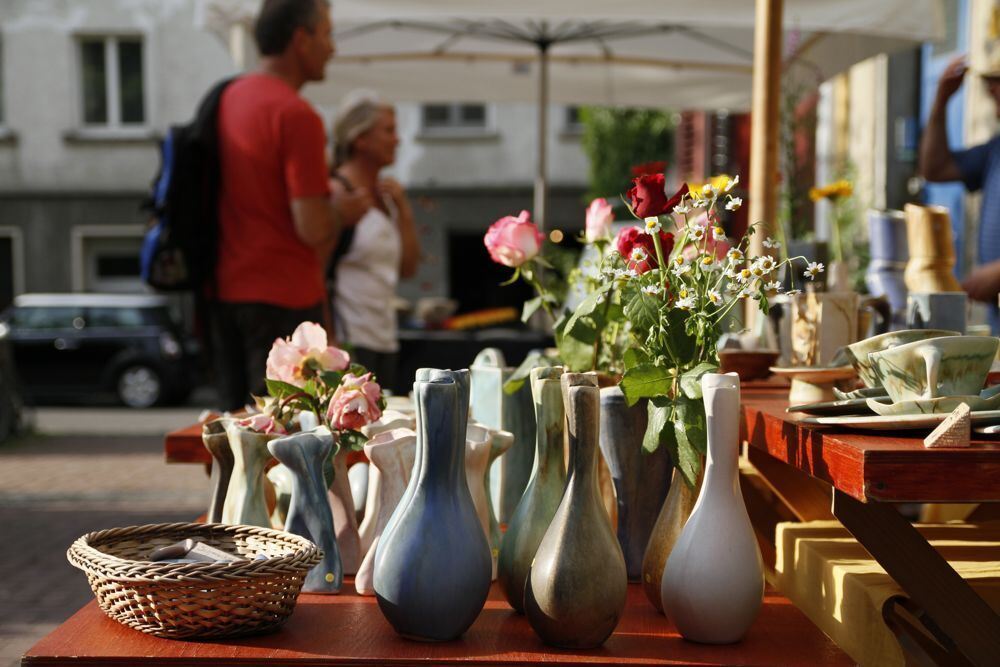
column 54, row 488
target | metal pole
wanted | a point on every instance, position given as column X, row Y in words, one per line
column 541, row 186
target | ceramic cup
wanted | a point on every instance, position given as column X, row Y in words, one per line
column 866, row 369
column 936, row 367
column 824, row 322
column 937, row 310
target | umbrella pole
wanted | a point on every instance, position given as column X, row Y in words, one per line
column 541, row 186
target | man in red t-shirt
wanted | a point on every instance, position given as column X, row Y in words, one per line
column 276, row 216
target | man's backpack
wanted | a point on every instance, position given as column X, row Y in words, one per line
column 180, row 247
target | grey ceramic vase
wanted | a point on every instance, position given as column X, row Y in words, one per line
column 641, row 479
column 309, row 514
column 432, row 565
column 673, row 515
column 575, row 593
column 213, row 435
column 545, row 488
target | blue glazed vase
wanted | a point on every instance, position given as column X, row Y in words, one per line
column 308, row 512
column 889, row 254
column 433, row 565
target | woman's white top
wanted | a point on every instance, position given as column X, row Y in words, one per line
column 366, row 282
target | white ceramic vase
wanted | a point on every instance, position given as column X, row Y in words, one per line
column 713, row 584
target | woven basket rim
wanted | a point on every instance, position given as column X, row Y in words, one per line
column 94, row 562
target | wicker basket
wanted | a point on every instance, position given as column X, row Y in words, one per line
column 195, row 599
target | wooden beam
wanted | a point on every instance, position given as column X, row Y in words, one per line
column 764, row 119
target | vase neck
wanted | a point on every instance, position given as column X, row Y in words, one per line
column 582, row 403
column 550, row 419
column 722, row 408
column 442, row 423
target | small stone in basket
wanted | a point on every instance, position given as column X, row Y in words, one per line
column 190, row 551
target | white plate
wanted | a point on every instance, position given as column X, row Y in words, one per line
column 900, row 422
column 854, row 406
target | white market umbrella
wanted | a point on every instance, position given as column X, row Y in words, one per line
column 648, row 53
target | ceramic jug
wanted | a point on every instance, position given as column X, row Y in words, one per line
column 713, row 584
column 481, row 443
column 931, row 267
column 216, row 440
column 545, row 488
column 390, row 420
column 432, row 565
column 641, row 479
column 889, row 254
column 345, row 519
column 246, row 501
column 576, row 587
column 391, row 452
column 309, row 514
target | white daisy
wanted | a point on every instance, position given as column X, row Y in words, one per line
column 631, row 273
column 745, row 276
column 765, row 263
column 708, row 190
column 714, row 297
column 681, row 269
column 651, row 225
column 771, row 243
column 731, row 272
column 638, row 255
column 682, row 209
column 718, row 233
column 734, row 204
column 696, row 233
column 687, row 303
column 735, row 255
column 652, row 289
column 773, row 285
column 732, row 183
column 813, row 269
column 708, row 263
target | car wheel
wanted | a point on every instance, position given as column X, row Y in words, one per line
column 139, row 386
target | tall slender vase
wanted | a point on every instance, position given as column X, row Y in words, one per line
column 345, row 519
column 391, row 452
column 545, row 488
column 484, row 445
column 432, row 565
column 246, row 501
column 932, row 251
column 576, row 588
column 216, row 441
column 673, row 515
column 500, row 444
column 641, row 480
column 713, row 584
column 309, row 514
column 391, row 420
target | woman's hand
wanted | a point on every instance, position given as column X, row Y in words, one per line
column 390, row 187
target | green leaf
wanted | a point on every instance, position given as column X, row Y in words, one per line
column 634, row 356
column 352, row 440
column 691, row 380
column 586, row 308
column 646, row 381
column 280, row 389
column 535, row 359
column 331, row 378
column 658, row 425
column 642, row 310
column 690, row 434
column 531, row 306
column 576, row 355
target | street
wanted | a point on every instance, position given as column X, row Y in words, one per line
column 82, row 469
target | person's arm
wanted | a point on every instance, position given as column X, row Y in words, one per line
column 410, row 258
column 936, row 160
column 983, row 284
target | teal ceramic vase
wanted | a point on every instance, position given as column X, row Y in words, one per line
column 545, row 488
column 309, row 513
column 432, row 565
column 246, row 501
column 575, row 592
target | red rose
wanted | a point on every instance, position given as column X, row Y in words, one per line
column 631, row 238
column 648, row 198
column 649, row 168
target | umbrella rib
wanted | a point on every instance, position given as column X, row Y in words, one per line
column 715, row 41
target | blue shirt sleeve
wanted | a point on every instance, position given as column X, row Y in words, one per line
column 972, row 163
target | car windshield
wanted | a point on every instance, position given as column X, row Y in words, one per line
column 46, row 318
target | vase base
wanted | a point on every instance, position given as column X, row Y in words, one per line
column 426, row 640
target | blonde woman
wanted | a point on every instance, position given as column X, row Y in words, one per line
column 367, row 265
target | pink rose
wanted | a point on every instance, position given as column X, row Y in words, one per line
column 262, row 423
column 513, row 241
column 599, row 219
column 296, row 359
column 354, row 404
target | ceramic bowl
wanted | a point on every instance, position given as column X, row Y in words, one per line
column 936, row 367
column 860, row 350
column 748, row 364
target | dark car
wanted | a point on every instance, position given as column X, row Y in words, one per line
column 69, row 346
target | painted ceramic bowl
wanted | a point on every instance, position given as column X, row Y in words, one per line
column 936, row 367
column 866, row 369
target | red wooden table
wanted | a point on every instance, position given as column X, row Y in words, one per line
column 867, row 472
column 348, row 629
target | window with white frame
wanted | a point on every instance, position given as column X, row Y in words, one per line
column 572, row 123
column 112, row 85
column 458, row 117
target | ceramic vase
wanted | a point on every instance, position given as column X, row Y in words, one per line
column 345, row 519
column 889, row 254
column 216, row 440
column 673, row 515
column 576, row 587
column 713, row 584
column 432, row 564
column 246, row 497
column 281, row 479
column 496, row 409
column 357, row 478
column 390, row 420
column 545, row 488
column 309, row 514
column 391, row 452
column 931, row 265
column 641, row 479
column 484, row 445
column 500, row 444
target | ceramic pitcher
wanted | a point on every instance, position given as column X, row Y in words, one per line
column 545, row 488
column 576, row 587
column 345, row 519
column 931, row 267
column 216, row 441
column 432, row 564
column 889, row 254
column 824, row 322
column 246, row 501
column 713, row 584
